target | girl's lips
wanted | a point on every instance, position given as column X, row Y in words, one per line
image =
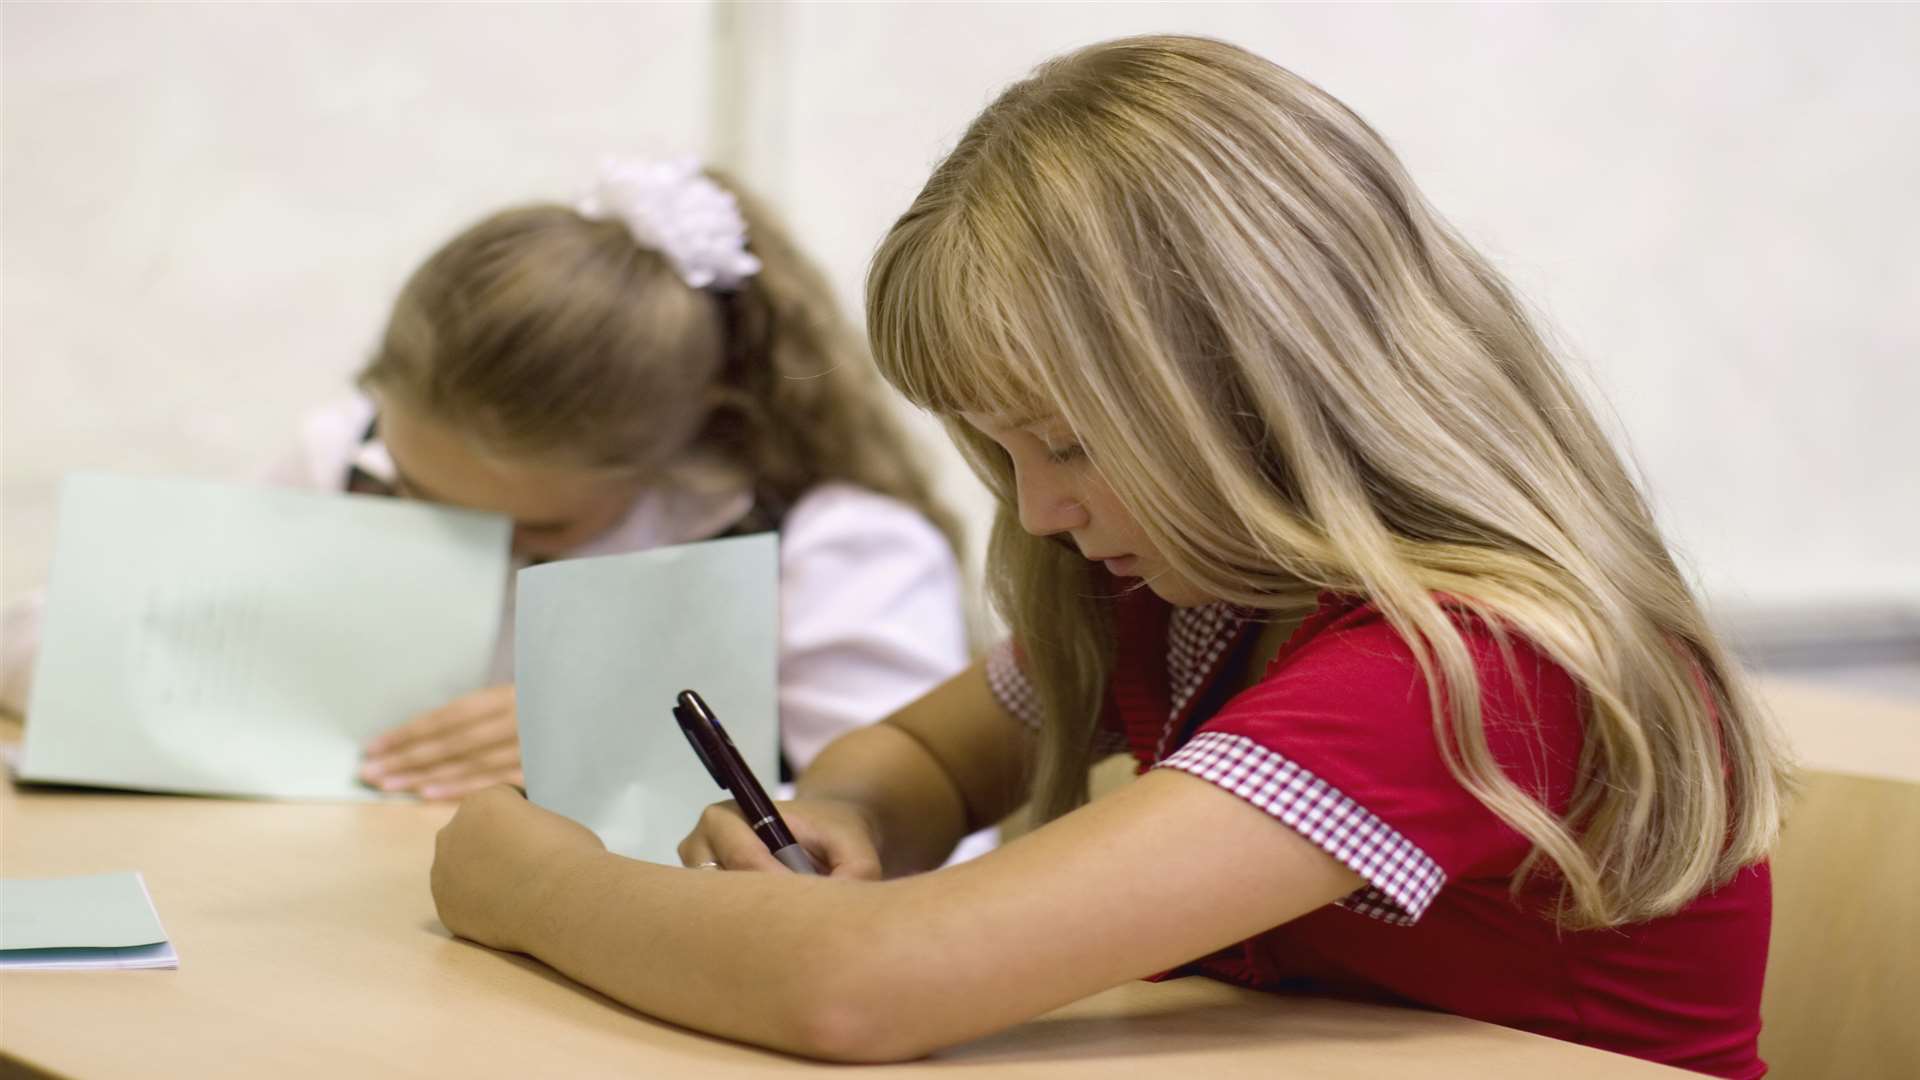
column 1120, row 566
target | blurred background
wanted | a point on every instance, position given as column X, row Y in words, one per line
column 205, row 209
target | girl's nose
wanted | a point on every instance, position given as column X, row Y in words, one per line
column 1047, row 506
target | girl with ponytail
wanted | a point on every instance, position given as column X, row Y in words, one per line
column 656, row 364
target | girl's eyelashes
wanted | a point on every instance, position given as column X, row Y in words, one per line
column 1058, row 442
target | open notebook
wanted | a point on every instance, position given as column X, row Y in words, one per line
column 81, row 923
column 246, row 640
column 602, row 646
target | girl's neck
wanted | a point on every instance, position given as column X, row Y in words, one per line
column 1273, row 637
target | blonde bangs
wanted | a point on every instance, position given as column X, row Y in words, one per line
column 940, row 316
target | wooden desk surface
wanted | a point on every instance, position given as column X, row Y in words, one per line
column 1843, row 731
column 309, row 947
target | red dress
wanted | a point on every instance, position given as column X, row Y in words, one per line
column 1337, row 742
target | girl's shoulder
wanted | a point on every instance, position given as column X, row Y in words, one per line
column 1348, row 638
column 1339, row 739
column 860, row 567
column 1349, row 681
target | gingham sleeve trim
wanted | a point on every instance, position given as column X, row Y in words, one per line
column 1010, row 686
column 1401, row 879
column 1015, row 694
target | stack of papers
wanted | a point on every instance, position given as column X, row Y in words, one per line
column 81, row 923
column 226, row 639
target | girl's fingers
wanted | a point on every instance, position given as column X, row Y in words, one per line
column 723, row 837
column 467, row 785
column 473, row 738
column 499, row 762
column 457, row 713
column 845, row 849
column 695, row 851
column 845, row 860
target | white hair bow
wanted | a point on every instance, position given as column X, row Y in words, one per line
column 672, row 208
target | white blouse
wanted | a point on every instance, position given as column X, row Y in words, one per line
column 870, row 592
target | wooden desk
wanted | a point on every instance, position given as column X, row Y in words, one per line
column 1840, row 731
column 1846, row 926
column 309, row 947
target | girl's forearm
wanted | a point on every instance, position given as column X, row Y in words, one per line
column 770, row 959
column 915, row 807
column 842, row 970
column 947, row 764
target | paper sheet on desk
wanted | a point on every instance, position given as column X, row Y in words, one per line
column 245, row 640
column 75, row 923
column 602, row 646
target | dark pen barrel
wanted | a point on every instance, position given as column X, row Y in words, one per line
column 715, row 748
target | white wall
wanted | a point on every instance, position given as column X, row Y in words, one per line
column 207, row 208
column 1713, row 204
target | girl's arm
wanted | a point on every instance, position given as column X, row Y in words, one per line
column 1167, row 869
column 948, row 764
column 905, row 790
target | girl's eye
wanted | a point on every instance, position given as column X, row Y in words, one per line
column 1061, row 455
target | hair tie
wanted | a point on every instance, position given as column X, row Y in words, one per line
column 673, row 208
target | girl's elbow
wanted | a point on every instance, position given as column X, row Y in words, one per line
column 850, row 1032
column 852, row 1008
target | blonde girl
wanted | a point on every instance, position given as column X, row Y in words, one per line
column 654, row 364
column 1299, row 511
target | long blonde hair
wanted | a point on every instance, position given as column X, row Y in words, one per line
column 1297, row 377
column 548, row 336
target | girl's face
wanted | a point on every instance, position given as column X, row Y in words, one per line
column 1060, row 491
column 555, row 508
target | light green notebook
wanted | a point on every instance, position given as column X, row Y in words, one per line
column 601, row 648
column 97, row 921
column 246, row 640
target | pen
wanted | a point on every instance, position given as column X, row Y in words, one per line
column 716, row 751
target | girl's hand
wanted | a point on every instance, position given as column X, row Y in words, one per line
column 839, row 835
column 461, row 747
column 493, row 861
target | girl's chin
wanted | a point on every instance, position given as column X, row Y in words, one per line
column 1177, row 590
